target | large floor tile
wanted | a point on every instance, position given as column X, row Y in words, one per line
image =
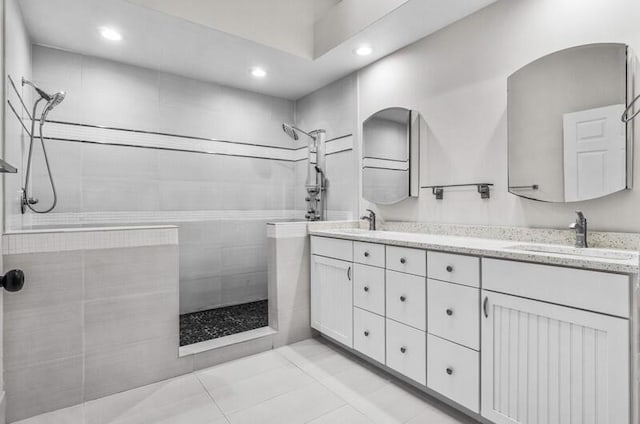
column 234, row 371
column 71, row 415
column 345, row 415
column 307, row 350
column 330, row 363
column 179, row 400
column 234, row 396
column 393, row 404
column 297, row 407
column 355, row 382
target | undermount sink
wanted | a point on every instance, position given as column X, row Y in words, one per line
column 574, row 251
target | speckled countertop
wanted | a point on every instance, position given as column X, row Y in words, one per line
column 611, row 260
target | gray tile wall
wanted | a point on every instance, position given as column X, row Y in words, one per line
column 217, row 267
column 95, row 322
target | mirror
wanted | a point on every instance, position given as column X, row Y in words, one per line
column 567, row 141
column 390, row 156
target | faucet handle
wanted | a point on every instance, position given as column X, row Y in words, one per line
column 580, row 214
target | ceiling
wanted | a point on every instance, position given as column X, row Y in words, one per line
column 302, row 44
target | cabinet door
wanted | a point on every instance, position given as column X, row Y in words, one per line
column 543, row 363
column 332, row 298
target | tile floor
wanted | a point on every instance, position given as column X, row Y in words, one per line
column 307, row 382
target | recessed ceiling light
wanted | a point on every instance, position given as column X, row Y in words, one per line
column 364, row 50
column 258, row 72
column 110, row 34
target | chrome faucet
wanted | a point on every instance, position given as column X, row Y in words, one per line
column 581, row 230
column 371, row 217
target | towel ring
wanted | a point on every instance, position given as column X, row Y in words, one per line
column 625, row 116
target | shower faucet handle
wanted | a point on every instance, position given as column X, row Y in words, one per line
column 13, row 280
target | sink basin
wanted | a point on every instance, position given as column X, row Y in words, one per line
column 574, row 251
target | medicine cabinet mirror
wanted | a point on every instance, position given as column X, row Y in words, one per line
column 390, row 156
column 567, row 141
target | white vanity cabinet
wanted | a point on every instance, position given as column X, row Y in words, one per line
column 507, row 341
column 544, row 362
column 332, row 288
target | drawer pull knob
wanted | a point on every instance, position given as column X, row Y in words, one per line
column 449, row 312
column 403, row 349
column 403, row 261
column 366, row 288
column 366, row 334
column 449, row 371
column 402, row 298
column 366, row 254
column 449, row 268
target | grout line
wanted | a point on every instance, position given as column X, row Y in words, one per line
column 210, row 396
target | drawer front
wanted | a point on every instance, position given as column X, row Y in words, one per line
column 368, row 288
column 454, row 371
column 590, row 290
column 332, row 248
column 453, row 313
column 407, row 351
column 458, row 269
column 406, row 299
column 411, row 261
column 368, row 253
column 368, row 334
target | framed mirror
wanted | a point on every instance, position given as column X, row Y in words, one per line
column 567, row 141
column 390, row 156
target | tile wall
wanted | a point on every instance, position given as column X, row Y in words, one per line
column 98, row 315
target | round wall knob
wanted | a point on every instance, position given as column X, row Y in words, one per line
column 403, row 349
column 402, row 298
column 449, row 268
column 366, row 288
column 13, row 280
column 449, row 371
column 366, row 334
column 403, row 261
column 366, row 254
column 449, row 312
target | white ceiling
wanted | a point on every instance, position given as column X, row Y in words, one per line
column 170, row 43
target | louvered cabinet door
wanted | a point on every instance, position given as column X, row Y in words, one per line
column 548, row 364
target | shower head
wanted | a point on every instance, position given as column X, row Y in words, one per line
column 293, row 131
column 55, row 100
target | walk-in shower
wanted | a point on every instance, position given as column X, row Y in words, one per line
column 316, row 183
column 52, row 100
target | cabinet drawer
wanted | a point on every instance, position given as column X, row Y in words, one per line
column 332, row 248
column 406, row 299
column 454, row 371
column 455, row 268
column 368, row 288
column 411, row 261
column 368, row 253
column 590, row 290
column 454, row 312
column 368, row 334
column 407, row 351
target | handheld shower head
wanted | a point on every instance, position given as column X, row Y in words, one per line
column 55, row 100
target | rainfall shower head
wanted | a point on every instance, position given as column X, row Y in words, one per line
column 293, row 131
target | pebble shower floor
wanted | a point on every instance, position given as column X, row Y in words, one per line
column 201, row 326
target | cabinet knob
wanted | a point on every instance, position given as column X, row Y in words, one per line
column 449, row 312
column 366, row 254
column 366, row 334
column 449, row 268
column 402, row 298
column 366, row 288
column 403, row 261
column 403, row 349
column 449, row 371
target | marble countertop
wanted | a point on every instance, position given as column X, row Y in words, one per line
column 611, row 260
